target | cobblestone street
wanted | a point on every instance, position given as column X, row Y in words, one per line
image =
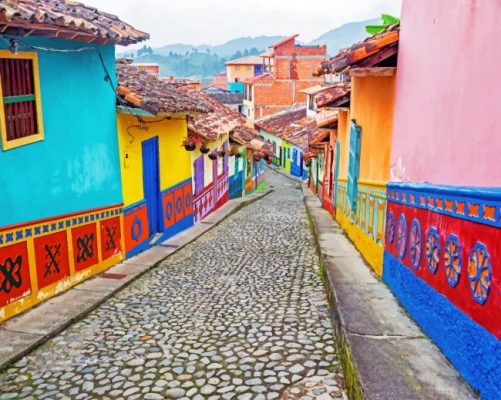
column 240, row 313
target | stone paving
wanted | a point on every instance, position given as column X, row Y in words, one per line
column 240, row 313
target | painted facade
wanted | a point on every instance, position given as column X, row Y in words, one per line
column 210, row 178
column 358, row 159
column 61, row 202
column 160, row 145
column 443, row 237
column 237, row 71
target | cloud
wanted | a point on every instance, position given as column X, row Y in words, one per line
column 216, row 21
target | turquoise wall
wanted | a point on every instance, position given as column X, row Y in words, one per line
column 235, row 87
column 76, row 166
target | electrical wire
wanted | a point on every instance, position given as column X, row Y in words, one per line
column 13, row 44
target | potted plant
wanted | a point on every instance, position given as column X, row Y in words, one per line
column 204, row 149
column 212, row 156
column 221, row 153
column 189, row 144
column 238, row 155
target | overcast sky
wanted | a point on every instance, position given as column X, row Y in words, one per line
column 216, row 21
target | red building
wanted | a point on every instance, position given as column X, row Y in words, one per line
column 289, row 70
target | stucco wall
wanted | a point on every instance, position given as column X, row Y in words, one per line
column 446, row 127
column 76, row 166
column 175, row 161
column 372, row 109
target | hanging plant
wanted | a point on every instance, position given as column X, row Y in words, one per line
column 238, row 155
column 204, row 149
column 221, row 153
column 189, row 144
column 308, row 163
column 212, row 156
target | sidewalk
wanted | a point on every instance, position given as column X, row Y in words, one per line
column 21, row 334
column 384, row 353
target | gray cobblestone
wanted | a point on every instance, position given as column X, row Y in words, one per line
column 241, row 312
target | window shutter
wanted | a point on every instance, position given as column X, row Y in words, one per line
column 18, row 88
column 354, row 165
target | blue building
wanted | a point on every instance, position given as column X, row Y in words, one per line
column 61, row 190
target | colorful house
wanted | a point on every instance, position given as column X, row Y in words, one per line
column 443, row 224
column 363, row 143
column 323, row 105
column 289, row 70
column 240, row 69
column 247, row 168
column 155, row 167
column 209, row 160
column 61, row 201
column 287, row 132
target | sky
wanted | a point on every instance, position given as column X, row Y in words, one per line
column 217, row 21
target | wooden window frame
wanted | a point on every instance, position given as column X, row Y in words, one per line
column 12, row 144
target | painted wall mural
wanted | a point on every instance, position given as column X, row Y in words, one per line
column 43, row 258
column 177, row 215
column 441, row 261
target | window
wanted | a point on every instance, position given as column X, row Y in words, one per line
column 311, row 102
column 20, row 108
column 248, row 67
column 250, row 92
column 237, row 67
column 198, row 166
column 354, row 165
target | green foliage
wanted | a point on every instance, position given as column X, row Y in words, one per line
column 386, row 21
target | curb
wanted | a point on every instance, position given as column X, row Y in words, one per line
column 15, row 355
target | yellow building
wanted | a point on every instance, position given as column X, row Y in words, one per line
column 363, row 141
column 155, row 166
column 240, row 69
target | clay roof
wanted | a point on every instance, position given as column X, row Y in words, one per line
column 146, row 91
column 255, row 79
column 250, row 60
column 250, row 138
column 277, row 123
column 65, row 19
column 222, row 120
column 368, row 53
column 292, row 125
column 334, row 95
column 227, row 98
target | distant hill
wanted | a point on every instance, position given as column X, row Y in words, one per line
column 222, row 50
column 344, row 36
column 203, row 61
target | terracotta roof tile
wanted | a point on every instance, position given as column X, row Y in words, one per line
column 250, row 138
column 150, row 93
column 366, row 49
column 65, row 19
column 334, row 95
column 222, row 120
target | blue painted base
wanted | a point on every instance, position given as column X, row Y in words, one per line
column 138, row 249
column 178, row 227
column 474, row 352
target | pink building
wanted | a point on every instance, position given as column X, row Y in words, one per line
column 443, row 236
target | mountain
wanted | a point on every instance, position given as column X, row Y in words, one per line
column 203, row 61
column 222, row 50
column 344, row 36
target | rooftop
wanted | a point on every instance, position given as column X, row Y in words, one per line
column 373, row 51
column 227, row 98
column 65, row 19
column 334, row 95
column 146, row 91
column 222, row 120
column 251, row 60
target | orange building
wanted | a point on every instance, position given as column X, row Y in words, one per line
column 220, row 81
column 289, row 70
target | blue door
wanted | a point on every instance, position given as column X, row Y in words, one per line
column 151, row 184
